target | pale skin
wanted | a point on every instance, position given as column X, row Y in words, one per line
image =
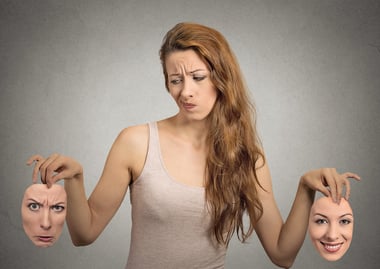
column 183, row 145
column 331, row 227
column 43, row 212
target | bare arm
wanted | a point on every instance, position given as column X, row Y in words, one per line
column 282, row 240
column 86, row 219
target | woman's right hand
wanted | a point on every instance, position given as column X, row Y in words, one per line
column 54, row 168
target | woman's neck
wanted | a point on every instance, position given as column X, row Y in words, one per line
column 194, row 132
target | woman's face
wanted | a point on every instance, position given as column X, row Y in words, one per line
column 43, row 213
column 190, row 85
column 331, row 227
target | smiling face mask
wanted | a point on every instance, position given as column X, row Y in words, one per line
column 331, row 227
column 43, row 213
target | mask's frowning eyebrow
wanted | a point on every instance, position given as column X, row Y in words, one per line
column 33, row 201
column 60, row 203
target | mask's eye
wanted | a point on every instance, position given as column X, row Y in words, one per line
column 34, row 206
column 321, row 221
column 57, row 208
column 345, row 221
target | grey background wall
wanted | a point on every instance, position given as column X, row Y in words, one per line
column 74, row 73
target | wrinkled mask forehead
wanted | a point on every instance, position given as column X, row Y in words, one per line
column 55, row 194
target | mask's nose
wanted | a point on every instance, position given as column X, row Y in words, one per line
column 45, row 220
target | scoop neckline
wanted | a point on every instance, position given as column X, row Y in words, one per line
column 202, row 188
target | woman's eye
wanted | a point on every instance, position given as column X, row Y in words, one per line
column 57, row 208
column 34, row 206
column 175, row 81
column 199, row 78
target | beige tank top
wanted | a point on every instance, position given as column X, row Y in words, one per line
column 170, row 224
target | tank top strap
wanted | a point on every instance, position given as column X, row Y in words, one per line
column 153, row 159
column 153, row 134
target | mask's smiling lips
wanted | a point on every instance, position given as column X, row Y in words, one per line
column 332, row 247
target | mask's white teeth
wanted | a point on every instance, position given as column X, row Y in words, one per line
column 332, row 247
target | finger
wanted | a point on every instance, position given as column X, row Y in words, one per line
column 36, row 171
column 37, row 160
column 348, row 189
column 44, row 168
column 55, row 170
column 323, row 189
column 34, row 158
column 329, row 177
column 340, row 182
column 343, row 182
column 323, row 184
column 352, row 175
column 348, row 184
column 60, row 175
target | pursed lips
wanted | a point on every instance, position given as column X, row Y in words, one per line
column 188, row 105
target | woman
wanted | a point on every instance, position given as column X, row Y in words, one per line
column 192, row 176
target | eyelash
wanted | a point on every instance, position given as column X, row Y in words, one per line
column 179, row 80
column 36, row 207
column 175, row 81
column 199, row 78
column 345, row 221
column 324, row 221
column 57, row 208
column 31, row 206
column 321, row 221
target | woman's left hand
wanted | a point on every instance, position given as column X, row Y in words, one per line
column 329, row 182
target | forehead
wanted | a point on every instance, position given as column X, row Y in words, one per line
column 41, row 191
column 327, row 207
column 187, row 59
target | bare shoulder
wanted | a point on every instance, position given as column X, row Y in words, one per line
column 134, row 141
column 134, row 134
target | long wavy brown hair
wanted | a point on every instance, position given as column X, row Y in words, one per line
column 234, row 148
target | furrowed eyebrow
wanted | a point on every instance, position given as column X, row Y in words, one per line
column 196, row 70
column 60, row 203
column 33, row 200
column 191, row 72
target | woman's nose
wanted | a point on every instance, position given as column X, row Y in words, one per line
column 187, row 88
column 45, row 221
